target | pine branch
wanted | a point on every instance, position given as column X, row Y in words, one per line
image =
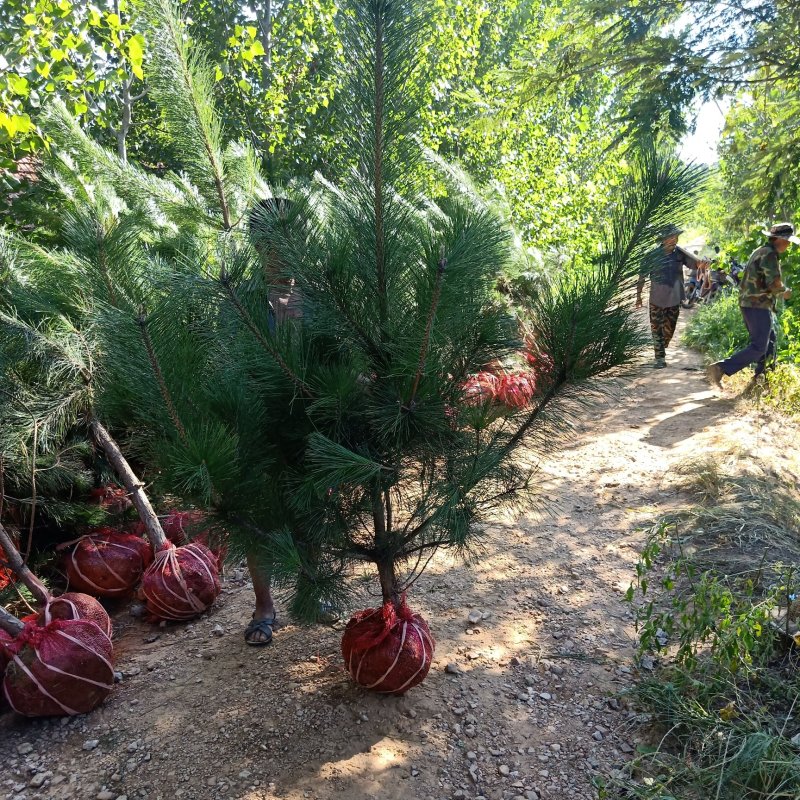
column 225, row 282
column 133, row 485
column 426, row 339
column 378, row 154
column 162, row 384
column 10, row 624
column 182, row 87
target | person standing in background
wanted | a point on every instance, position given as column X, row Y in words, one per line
column 665, row 265
column 761, row 285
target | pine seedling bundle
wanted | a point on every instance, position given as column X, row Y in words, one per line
column 354, row 433
column 54, row 365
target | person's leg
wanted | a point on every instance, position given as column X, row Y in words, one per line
column 767, row 361
column 759, row 326
column 265, row 608
column 657, row 329
column 670, row 322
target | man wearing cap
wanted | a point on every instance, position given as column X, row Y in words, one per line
column 665, row 264
column 758, row 292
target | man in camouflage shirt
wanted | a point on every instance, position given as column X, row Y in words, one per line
column 761, row 284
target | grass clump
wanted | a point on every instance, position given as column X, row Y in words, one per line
column 716, row 594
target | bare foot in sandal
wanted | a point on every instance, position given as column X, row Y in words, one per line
column 259, row 631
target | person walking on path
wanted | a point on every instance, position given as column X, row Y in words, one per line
column 665, row 264
column 760, row 286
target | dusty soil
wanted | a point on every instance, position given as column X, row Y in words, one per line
column 537, row 705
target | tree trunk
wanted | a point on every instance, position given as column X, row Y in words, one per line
column 125, row 122
column 20, row 569
column 134, row 486
column 265, row 31
column 10, row 624
column 389, row 587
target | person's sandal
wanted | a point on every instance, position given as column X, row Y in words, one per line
column 264, row 626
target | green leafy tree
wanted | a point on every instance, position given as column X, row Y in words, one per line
column 89, row 55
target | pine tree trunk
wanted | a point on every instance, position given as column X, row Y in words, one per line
column 20, row 569
column 10, row 624
column 389, row 587
column 134, row 486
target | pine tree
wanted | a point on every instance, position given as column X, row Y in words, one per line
column 398, row 313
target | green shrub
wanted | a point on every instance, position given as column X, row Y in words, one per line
column 790, row 330
column 716, row 604
column 783, row 391
column 717, row 329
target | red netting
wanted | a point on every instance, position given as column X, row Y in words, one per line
column 64, row 668
column 516, row 389
column 6, row 576
column 107, row 562
column 182, row 527
column 112, row 498
column 182, row 582
column 388, row 649
column 75, row 605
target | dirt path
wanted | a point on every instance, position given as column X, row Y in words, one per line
column 534, row 709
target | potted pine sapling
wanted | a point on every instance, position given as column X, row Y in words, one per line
column 59, row 662
column 129, row 265
column 70, row 605
column 62, row 668
column 61, row 360
column 404, row 456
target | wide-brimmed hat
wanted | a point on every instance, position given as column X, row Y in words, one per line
column 669, row 230
column 783, row 230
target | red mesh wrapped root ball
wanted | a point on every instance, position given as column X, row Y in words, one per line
column 388, row 649
column 516, row 389
column 75, row 605
column 112, row 498
column 177, row 525
column 6, row 576
column 182, row 527
column 182, row 582
column 107, row 563
column 64, row 668
column 480, row 389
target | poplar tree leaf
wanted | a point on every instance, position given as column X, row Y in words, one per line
column 19, row 85
column 135, row 47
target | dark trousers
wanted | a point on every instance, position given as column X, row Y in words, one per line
column 662, row 324
column 762, row 343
